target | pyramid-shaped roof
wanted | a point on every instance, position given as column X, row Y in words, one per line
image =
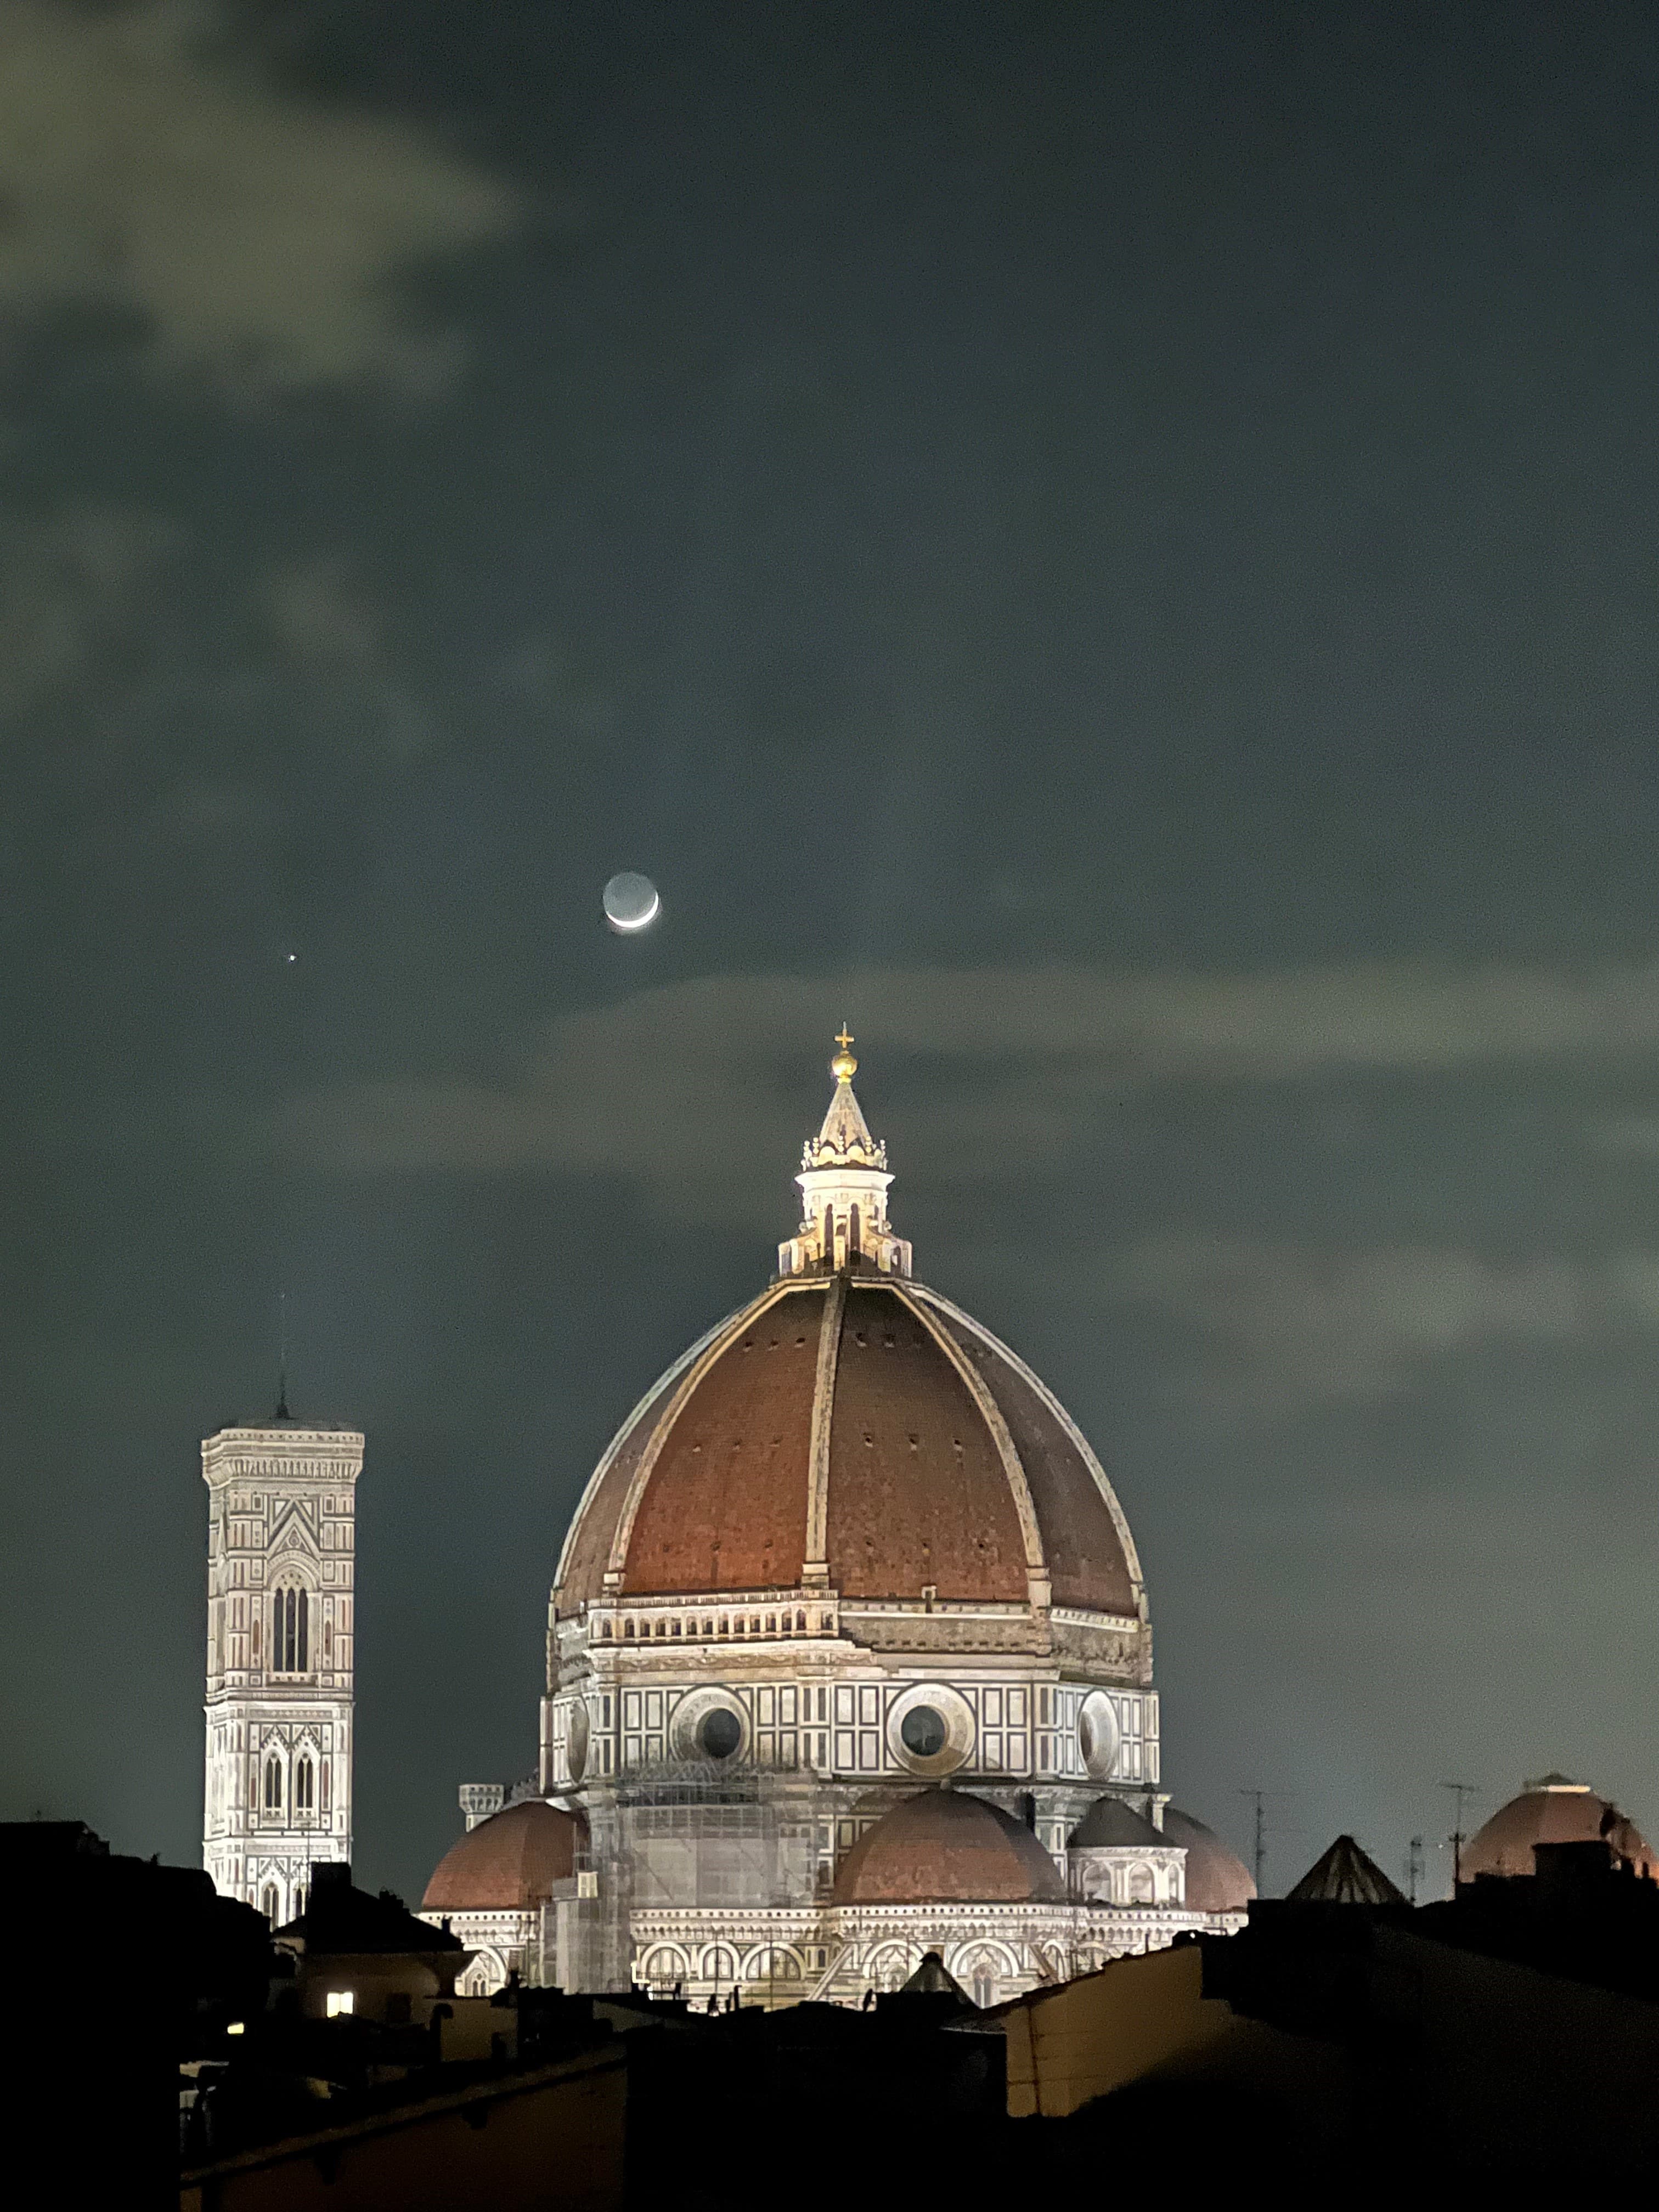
column 1346, row 1875
column 933, row 1978
column 844, row 1136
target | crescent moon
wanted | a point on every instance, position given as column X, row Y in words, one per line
column 639, row 920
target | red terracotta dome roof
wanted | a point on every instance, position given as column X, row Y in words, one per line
column 948, row 1847
column 1216, row 1879
column 940, row 1461
column 1553, row 1810
column 507, row 1863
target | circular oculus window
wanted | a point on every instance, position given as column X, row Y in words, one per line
column 710, row 1724
column 1099, row 1735
column 720, row 1733
column 923, row 1732
column 930, row 1729
column 576, row 1742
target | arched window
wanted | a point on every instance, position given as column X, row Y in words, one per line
column 852, row 1234
column 302, row 1790
column 268, row 1902
column 985, row 1984
column 273, row 1785
column 290, row 1631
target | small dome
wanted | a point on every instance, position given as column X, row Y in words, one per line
column 1110, row 1825
column 507, row 1863
column 1217, row 1881
column 947, row 1847
column 1553, row 1810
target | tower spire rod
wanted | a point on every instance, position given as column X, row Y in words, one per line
column 283, row 1413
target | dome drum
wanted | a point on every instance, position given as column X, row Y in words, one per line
column 1000, row 1725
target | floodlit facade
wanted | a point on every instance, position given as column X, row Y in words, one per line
column 848, row 1641
column 282, row 1518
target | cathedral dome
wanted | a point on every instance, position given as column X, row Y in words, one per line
column 948, row 1847
column 1216, row 1879
column 851, row 1428
column 507, row 1863
column 1553, row 1810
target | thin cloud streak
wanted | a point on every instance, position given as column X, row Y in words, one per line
column 679, row 1088
column 1277, row 1328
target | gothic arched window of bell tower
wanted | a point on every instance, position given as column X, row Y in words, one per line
column 273, row 1785
column 290, row 1631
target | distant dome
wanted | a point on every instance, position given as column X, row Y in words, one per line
column 1553, row 1810
column 1217, row 1881
column 948, row 1847
column 1110, row 1825
column 507, row 1863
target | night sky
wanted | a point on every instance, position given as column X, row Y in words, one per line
column 1111, row 548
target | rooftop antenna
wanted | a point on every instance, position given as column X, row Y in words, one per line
column 1261, row 1853
column 283, row 1413
column 1459, row 1791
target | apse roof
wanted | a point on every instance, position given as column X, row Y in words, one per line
column 509, row 1862
column 947, row 1846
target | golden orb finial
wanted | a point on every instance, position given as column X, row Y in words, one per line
column 843, row 1066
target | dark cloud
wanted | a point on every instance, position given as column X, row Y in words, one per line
column 256, row 235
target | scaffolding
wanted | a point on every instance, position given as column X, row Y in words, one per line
column 694, row 1835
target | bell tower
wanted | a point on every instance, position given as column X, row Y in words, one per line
column 281, row 1516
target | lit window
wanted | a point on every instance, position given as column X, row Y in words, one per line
column 339, row 2002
